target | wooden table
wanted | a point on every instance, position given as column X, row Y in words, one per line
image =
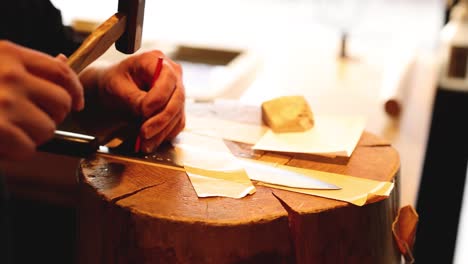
column 135, row 213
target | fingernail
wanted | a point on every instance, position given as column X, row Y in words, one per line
column 147, row 149
column 62, row 57
column 81, row 105
column 147, row 133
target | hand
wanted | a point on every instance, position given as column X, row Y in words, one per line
column 36, row 93
column 161, row 106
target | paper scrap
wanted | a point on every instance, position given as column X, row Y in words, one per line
column 226, row 129
column 353, row 189
column 210, row 166
column 234, row 184
column 331, row 136
column 404, row 231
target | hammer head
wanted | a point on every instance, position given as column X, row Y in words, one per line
column 134, row 10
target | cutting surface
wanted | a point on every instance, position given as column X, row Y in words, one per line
column 167, row 193
column 136, row 212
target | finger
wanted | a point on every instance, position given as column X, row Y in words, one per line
column 125, row 93
column 161, row 91
column 56, row 71
column 128, row 82
column 155, row 124
column 61, row 57
column 177, row 129
column 143, row 66
column 14, row 143
column 176, row 67
column 151, row 144
column 33, row 121
column 54, row 100
column 24, row 114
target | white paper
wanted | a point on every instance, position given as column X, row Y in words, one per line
column 203, row 152
column 220, row 128
column 330, row 136
column 212, row 169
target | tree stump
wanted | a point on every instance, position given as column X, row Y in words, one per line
column 136, row 213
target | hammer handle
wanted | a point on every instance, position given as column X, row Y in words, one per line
column 98, row 42
column 93, row 47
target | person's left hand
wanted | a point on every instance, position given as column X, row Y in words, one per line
column 127, row 86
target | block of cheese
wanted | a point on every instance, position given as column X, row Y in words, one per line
column 287, row 114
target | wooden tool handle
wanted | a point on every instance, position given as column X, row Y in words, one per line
column 98, row 42
column 92, row 48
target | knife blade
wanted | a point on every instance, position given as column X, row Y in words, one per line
column 256, row 170
column 268, row 173
column 120, row 146
column 164, row 156
column 82, row 145
column 70, row 144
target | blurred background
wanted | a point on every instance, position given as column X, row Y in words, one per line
column 257, row 22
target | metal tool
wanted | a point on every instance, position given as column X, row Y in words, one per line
column 164, row 157
column 124, row 29
column 258, row 171
column 81, row 145
column 70, row 144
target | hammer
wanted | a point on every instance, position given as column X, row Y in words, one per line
column 124, row 29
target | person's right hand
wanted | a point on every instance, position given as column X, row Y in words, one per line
column 37, row 92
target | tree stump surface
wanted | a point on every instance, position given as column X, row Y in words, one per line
column 136, row 213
